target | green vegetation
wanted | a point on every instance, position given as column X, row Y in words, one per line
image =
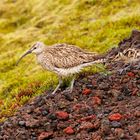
column 96, row 25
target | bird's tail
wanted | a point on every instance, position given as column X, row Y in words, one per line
column 97, row 61
column 99, row 58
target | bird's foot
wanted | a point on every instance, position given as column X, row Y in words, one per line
column 121, row 71
column 138, row 66
column 50, row 95
column 124, row 70
column 68, row 90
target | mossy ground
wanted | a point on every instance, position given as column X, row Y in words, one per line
column 95, row 25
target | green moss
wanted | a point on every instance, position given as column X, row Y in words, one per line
column 95, row 25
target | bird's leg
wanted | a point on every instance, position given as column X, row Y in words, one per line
column 70, row 88
column 59, row 84
column 71, row 84
column 138, row 66
column 125, row 68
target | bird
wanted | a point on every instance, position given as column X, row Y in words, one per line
column 129, row 55
column 63, row 59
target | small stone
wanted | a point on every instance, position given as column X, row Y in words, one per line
column 89, row 86
column 41, row 103
column 125, row 80
column 61, row 125
column 62, row 115
column 138, row 136
column 105, row 129
column 6, row 123
column 96, row 100
column 45, row 112
column 126, row 91
column 137, row 113
column 69, row 130
column 32, row 123
column 86, row 125
column 45, row 135
column 115, row 117
column 107, row 111
column 62, row 105
column 132, row 128
column 29, row 110
column 97, row 124
column 94, row 83
column 114, row 92
column 5, row 137
column 1, row 137
column 34, row 138
column 115, row 124
column 21, row 123
column 69, row 97
column 131, row 74
column 96, row 136
column 37, row 112
column 119, row 132
column 91, row 111
column 86, row 91
column 33, row 134
column 120, row 98
column 103, row 86
column 82, row 135
column 52, row 116
column 87, row 118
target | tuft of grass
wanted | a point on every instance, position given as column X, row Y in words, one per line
column 95, row 25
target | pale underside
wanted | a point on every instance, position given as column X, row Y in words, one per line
column 74, row 70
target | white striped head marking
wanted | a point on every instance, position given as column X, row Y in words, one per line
column 37, row 48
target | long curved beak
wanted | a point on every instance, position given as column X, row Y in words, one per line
column 28, row 52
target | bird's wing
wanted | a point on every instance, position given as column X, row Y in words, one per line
column 66, row 56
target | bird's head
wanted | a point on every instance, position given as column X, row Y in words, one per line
column 36, row 48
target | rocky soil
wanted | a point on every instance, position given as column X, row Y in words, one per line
column 101, row 107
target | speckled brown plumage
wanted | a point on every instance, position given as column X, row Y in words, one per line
column 128, row 55
column 128, row 50
column 63, row 59
column 67, row 56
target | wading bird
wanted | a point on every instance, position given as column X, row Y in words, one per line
column 63, row 59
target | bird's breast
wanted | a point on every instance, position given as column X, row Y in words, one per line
column 44, row 62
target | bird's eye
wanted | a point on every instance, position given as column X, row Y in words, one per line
column 34, row 47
